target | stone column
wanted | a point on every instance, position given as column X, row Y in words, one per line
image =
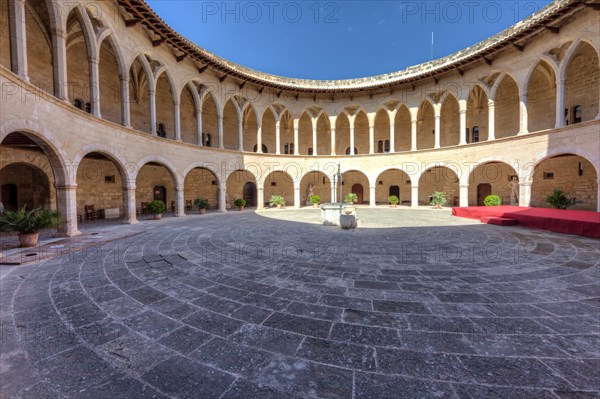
column 560, row 103
column 297, row 195
column 177, row 117
column 129, row 205
column 525, row 194
column 125, row 111
column 153, row 112
column 18, row 38
column 598, row 197
column 95, row 86
column 414, row 112
column 59, row 60
column 199, row 139
column 222, row 199
column 371, row 138
column 314, row 137
column 414, row 196
column 220, row 129
column 260, row 198
column 296, row 137
column 180, row 202
column 491, row 120
column 392, row 138
column 66, row 202
column 462, row 104
column 372, row 197
column 464, row 195
column 437, row 109
column 352, row 119
column 240, row 132
column 523, row 120
column 333, row 193
column 333, row 141
column 259, row 138
column 278, row 138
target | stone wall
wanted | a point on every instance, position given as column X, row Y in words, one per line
column 439, row 179
column 151, row 176
column 201, row 183
column 541, row 99
column 321, row 187
column 507, row 108
column 4, row 35
column 39, row 45
column 498, row 175
column 93, row 187
column 393, row 178
column 583, row 83
column 352, row 178
column 280, row 183
column 110, row 84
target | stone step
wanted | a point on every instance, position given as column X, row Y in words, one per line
column 498, row 221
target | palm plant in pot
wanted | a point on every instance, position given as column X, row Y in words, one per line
column 202, row 205
column 560, row 200
column 393, row 200
column 156, row 208
column 351, row 198
column 277, row 200
column 29, row 223
column 240, row 203
column 438, row 199
column 315, row 199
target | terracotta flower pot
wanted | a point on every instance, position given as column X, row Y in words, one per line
column 241, row 208
column 202, row 211
column 158, row 217
column 278, row 206
column 394, row 205
column 29, row 239
column 315, row 205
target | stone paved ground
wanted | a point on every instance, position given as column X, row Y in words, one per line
column 272, row 305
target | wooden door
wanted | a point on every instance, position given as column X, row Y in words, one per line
column 358, row 190
column 483, row 190
column 160, row 193
column 395, row 190
column 250, row 194
column 10, row 197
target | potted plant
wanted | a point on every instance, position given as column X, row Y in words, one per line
column 240, row 203
column 202, row 205
column 277, row 200
column 438, row 199
column 560, row 200
column 29, row 223
column 156, row 208
column 315, row 199
column 351, row 198
column 492, row 200
column 393, row 199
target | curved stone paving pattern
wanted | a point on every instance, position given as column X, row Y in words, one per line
column 445, row 308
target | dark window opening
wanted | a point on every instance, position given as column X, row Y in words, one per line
column 386, row 148
column 160, row 130
column 577, row 111
column 476, row 134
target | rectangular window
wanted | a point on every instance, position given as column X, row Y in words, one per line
column 548, row 175
column 310, row 151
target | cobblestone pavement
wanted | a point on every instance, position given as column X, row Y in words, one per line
column 258, row 305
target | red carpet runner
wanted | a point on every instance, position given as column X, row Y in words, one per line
column 583, row 223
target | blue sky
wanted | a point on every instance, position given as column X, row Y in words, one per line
column 338, row 39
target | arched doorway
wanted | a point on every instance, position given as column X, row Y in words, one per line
column 155, row 181
column 483, row 190
column 355, row 180
column 393, row 182
column 24, row 185
column 359, row 191
column 490, row 178
column 236, row 187
column 10, row 196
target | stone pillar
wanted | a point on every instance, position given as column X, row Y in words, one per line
column 95, row 86
column 371, row 138
column 414, row 196
column 463, row 122
column 180, row 202
column 260, row 198
column 199, row 139
column 333, row 193
column 333, row 141
column 125, row 111
column 66, row 202
column 414, row 112
column 560, row 103
column 18, row 38
column 491, row 120
column 598, row 197
column 392, row 137
column 222, row 198
column 525, row 194
column 352, row 119
column 129, row 205
column 372, row 197
column 314, row 138
column 278, row 138
column 259, row 138
column 296, row 195
column 523, row 119
column 177, row 121
column 220, row 129
column 59, row 60
column 240, row 132
column 438, row 125
column 464, row 195
column 153, row 112
column 296, row 137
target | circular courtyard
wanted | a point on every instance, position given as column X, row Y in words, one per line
column 413, row 304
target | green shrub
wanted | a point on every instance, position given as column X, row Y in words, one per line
column 492, row 200
column 27, row 222
column 156, row 207
column 351, row 198
column 393, row 199
column 438, row 199
column 276, row 200
column 315, row 199
column 560, row 200
column 239, row 202
column 201, row 203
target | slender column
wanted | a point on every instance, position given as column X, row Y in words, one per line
column 392, row 116
column 129, row 205
column 18, row 38
column 278, row 138
column 462, row 104
column 95, row 86
column 59, row 59
column 414, row 112
column 259, row 138
column 372, row 197
column 199, row 139
column 180, row 202
column 371, row 138
column 560, row 103
column 125, row 111
column 296, row 139
column 66, row 201
column 333, row 140
column 222, row 199
column 260, row 198
column 220, row 128
column 314, row 137
column 333, row 193
column 240, row 132
column 177, row 115
column 437, row 109
column 491, row 120
column 297, row 195
column 414, row 196
column 523, row 119
column 352, row 119
column 464, row 196
column 525, row 194
column 152, row 112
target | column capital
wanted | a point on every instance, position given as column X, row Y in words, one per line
column 66, row 186
column 464, row 186
column 525, row 183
